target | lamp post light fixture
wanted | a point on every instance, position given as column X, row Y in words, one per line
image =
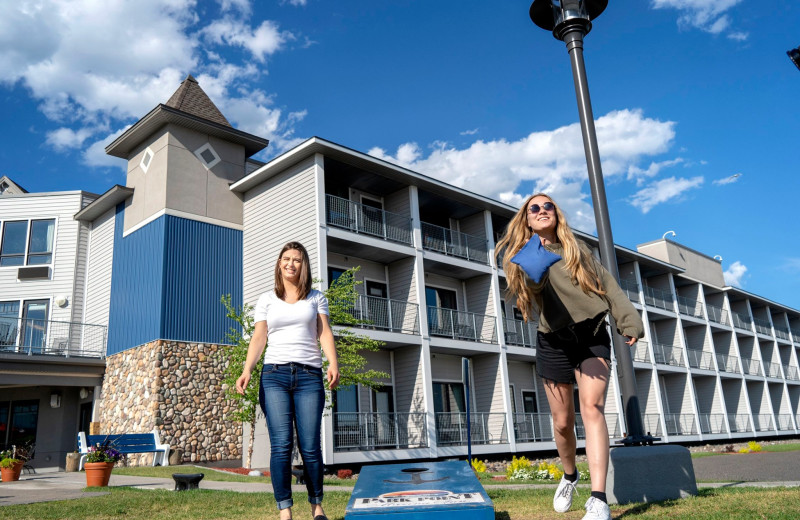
column 794, row 55
column 570, row 20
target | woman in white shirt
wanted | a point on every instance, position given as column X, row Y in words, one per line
column 293, row 318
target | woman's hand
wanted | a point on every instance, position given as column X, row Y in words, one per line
column 631, row 340
column 333, row 376
column 242, row 382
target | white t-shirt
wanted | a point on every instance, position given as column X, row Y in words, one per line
column 291, row 328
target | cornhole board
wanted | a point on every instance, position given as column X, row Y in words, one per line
column 441, row 490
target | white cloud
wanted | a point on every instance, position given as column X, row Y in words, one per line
column 706, row 15
column 295, row 2
column 469, row 132
column 95, row 154
column 639, row 175
column 734, row 274
column 727, row 180
column 662, row 191
column 95, row 66
column 552, row 161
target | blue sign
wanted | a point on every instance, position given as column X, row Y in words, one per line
column 447, row 489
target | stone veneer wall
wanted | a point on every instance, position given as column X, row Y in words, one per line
column 176, row 388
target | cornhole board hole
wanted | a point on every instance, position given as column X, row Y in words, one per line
column 441, row 490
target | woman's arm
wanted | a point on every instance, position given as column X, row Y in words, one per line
column 329, row 348
column 625, row 315
column 257, row 343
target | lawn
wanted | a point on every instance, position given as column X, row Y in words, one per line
column 210, row 474
column 526, row 504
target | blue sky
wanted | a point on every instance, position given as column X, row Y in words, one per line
column 695, row 103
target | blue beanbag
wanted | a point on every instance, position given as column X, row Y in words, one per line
column 534, row 259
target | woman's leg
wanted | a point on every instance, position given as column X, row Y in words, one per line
column 592, row 380
column 278, row 408
column 562, row 408
column 309, row 400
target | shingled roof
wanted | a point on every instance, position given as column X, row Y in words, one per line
column 190, row 98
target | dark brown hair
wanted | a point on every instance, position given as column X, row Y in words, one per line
column 304, row 285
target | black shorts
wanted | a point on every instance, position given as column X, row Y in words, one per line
column 560, row 353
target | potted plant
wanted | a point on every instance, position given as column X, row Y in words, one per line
column 99, row 462
column 11, row 462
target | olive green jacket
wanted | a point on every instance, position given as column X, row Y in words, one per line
column 561, row 302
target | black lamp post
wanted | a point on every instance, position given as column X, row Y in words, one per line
column 794, row 55
column 570, row 20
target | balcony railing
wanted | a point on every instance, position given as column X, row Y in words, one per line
column 54, row 338
column 717, row 315
column 690, row 307
column 739, row 422
column 742, row 321
column 651, row 422
column 728, row 363
column 763, row 326
column 784, row 421
column 658, row 298
column 461, row 325
column 751, row 367
column 791, row 372
column 372, row 312
column 781, row 332
column 485, row 428
column 763, row 422
column 639, row 352
column 700, row 359
column 533, row 427
column 374, row 431
column 680, row 424
column 772, row 369
column 454, row 243
column 520, row 333
column 668, row 355
column 712, row 423
column 795, row 336
column 360, row 218
column 631, row 288
column 612, row 425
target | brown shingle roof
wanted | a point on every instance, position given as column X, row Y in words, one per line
column 190, row 98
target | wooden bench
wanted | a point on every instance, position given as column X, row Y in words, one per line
column 126, row 444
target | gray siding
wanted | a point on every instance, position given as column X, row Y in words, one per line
column 402, row 281
column 708, row 401
column 735, row 397
column 474, row 225
column 479, row 295
column 101, row 254
column 398, row 202
column 408, row 377
column 488, row 383
column 369, row 270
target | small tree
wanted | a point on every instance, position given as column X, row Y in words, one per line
column 245, row 407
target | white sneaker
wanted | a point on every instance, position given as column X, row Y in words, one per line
column 563, row 499
column 596, row 510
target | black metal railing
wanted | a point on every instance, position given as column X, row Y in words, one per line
column 728, row 363
column 520, row 333
column 533, row 427
column 467, row 326
column 485, row 428
column 651, row 422
column 454, row 243
column 639, row 352
column 680, row 424
column 751, row 367
column 712, row 423
column 772, row 369
column 742, row 321
column 374, row 431
column 690, row 307
column 658, row 298
column 763, row 422
column 718, row 315
column 700, row 359
column 382, row 313
column 631, row 288
column 784, row 421
column 791, row 372
column 739, row 422
column 763, row 326
column 54, row 338
column 782, row 332
column 368, row 220
column 668, row 355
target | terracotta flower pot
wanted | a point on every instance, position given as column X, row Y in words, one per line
column 98, row 473
column 11, row 474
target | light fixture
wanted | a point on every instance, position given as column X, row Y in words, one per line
column 55, row 400
column 667, row 233
column 718, row 257
column 84, row 393
column 794, row 55
column 61, row 300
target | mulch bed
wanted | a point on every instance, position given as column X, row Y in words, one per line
column 242, row 471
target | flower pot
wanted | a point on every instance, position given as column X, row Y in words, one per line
column 11, row 474
column 98, row 473
column 73, row 461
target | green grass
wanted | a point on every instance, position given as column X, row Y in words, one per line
column 210, row 474
column 789, row 446
column 527, row 504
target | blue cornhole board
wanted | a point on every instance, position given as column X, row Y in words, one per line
column 440, row 490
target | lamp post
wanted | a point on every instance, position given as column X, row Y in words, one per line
column 570, row 20
column 794, row 55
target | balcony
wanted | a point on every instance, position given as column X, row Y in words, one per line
column 485, row 428
column 700, row 359
column 690, row 307
column 651, row 422
column 763, row 422
column 717, row 315
column 742, row 321
column 782, row 332
column 612, row 426
column 751, row 367
column 658, row 298
column 377, row 431
column 773, row 369
column 728, row 363
column 739, row 422
column 520, row 333
column 52, row 338
column 795, row 336
column 791, row 373
column 784, row 422
column 466, row 326
column 763, row 326
column 639, row 352
column 668, row 355
column 367, row 220
column 372, row 312
column 533, row 427
column 680, row 424
column 712, row 423
column 631, row 288
column 454, row 243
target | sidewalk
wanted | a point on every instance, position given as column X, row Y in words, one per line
column 757, row 469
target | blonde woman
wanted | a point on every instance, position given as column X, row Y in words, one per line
column 572, row 298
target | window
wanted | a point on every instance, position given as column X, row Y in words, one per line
column 18, row 422
column 441, row 303
column 529, row 404
column 147, row 158
column 34, row 325
column 39, row 237
column 448, row 398
column 9, row 315
column 207, row 155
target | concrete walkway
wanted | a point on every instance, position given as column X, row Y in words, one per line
column 754, row 469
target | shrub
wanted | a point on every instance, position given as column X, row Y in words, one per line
column 548, row 471
column 516, row 465
column 753, row 446
column 479, row 466
column 344, row 473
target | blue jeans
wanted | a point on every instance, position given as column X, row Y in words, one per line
column 292, row 395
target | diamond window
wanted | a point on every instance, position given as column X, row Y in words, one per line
column 207, row 155
column 147, row 159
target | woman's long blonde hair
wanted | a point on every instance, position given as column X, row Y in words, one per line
column 578, row 262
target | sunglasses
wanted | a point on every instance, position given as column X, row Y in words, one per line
column 535, row 208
